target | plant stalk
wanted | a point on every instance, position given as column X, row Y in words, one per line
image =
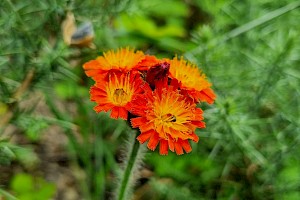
column 129, row 172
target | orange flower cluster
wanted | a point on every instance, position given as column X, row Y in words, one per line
column 158, row 96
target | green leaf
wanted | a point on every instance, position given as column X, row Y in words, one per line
column 146, row 26
column 6, row 155
column 27, row 187
column 67, row 90
column 46, row 190
column 26, row 156
column 7, row 195
column 165, row 9
column 22, row 183
column 33, row 126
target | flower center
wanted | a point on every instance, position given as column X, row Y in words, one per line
column 168, row 118
column 120, row 97
column 171, row 114
column 119, row 90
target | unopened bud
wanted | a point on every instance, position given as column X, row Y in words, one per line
column 157, row 72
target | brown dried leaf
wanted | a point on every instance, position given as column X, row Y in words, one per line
column 68, row 27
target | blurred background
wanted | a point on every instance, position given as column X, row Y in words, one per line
column 54, row 146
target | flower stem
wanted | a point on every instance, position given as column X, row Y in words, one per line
column 128, row 173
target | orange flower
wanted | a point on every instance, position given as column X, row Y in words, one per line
column 116, row 93
column 123, row 60
column 191, row 80
column 166, row 117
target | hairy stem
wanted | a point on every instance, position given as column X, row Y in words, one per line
column 129, row 171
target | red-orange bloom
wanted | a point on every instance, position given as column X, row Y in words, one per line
column 123, row 60
column 116, row 93
column 191, row 80
column 166, row 118
column 160, row 95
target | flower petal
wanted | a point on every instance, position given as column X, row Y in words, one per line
column 105, row 107
column 153, row 142
column 163, row 147
column 123, row 113
column 92, row 68
column 199, row 124
column 207, row 95
column 171, row 144
column 138, row 121
column 186, row 146
column 143, row 137
column 194, row 137
column 178, row 148
column 146, row 127
column 115, row 112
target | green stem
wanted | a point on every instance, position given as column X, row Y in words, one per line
column 125, row 184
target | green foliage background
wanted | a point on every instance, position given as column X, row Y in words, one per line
column 249, row 50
